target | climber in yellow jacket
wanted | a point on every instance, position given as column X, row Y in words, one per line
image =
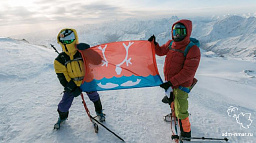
column 70, row 71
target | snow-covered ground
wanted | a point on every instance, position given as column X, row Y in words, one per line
column 30, row 92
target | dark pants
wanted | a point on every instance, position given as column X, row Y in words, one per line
column 68, row 98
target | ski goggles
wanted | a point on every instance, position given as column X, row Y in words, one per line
column 179, row 29
column 67, row 36
column 67, row 41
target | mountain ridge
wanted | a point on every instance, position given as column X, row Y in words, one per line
column 229, row 36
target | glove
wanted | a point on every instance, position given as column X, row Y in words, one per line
column 70, row 86
column 76, row 92
column 82, row 46
column 168, row 92
column 153, row 38
column 168, row 99
column 166, row 85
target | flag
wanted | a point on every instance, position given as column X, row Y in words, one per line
column 120, row 65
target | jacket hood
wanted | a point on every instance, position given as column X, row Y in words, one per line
column 188, row 25
column 69, row 49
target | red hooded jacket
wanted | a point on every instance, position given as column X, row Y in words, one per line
column 180, row 70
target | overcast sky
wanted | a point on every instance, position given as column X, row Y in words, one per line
column 22, row 16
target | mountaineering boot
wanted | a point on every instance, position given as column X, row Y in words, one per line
column 59, row 122
column 62, row 117
column 98, row 110
column 101, row 116
column 185, row 129
column 186, row 135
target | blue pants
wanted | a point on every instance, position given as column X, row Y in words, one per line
column 68, row 98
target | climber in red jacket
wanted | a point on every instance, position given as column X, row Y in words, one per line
column 179, row 71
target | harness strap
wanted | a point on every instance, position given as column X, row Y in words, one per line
column 192, row 42
column 76, row 59
column 177, row 50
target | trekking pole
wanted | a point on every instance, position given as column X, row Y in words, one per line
column 107, row 129
column 92, row 119
column 203, row 138
column 54, row 48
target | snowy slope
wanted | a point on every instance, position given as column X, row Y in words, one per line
column 30, row 92
column 233, row 36
column 227, row 36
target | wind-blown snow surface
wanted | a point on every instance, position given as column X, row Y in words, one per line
column 30, row 92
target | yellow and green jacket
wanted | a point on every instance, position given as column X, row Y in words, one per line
column 69, row 63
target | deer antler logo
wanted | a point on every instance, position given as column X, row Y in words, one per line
column 128, row 61
column 105, row 61
column 118, row 66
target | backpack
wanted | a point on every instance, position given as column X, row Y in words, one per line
column 193, row 41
